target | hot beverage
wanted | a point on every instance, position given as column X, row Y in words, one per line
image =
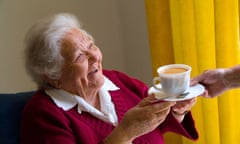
column 174, row 79
column 174, row 70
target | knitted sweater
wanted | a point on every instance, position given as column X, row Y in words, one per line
column 45, row 123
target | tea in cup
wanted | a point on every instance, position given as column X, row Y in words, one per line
column 174, row 79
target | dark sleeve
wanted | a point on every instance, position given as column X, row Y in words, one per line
column 186, row 128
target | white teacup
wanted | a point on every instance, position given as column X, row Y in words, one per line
column 174, row 79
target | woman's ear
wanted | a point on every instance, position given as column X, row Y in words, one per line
column 52, row 82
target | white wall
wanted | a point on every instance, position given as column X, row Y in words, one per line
column 118, row 26
column 135, row 39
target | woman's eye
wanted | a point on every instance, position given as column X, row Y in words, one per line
column 90, row 46
column 79, row 57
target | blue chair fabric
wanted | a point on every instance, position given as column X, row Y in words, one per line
column 11, row 106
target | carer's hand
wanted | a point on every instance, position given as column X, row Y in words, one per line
column 213, row 81
column 141, row 119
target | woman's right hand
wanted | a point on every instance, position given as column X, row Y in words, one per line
column 139, row 120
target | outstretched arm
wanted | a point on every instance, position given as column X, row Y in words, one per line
column 217, row 81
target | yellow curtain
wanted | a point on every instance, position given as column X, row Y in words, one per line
column 203, row 34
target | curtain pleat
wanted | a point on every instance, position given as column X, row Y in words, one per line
column 184, row 42
column 205, row 41
column 227, row 27
column 160, row 36
column 205, row 35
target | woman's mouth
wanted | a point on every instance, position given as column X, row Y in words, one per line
column 93, row 72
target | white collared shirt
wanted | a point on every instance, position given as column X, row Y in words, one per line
column 66, row 101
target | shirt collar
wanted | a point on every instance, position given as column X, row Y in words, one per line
column 66, row 101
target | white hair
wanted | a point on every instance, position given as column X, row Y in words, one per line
column 43, row 47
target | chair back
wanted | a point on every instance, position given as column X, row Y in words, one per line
column 11, row 106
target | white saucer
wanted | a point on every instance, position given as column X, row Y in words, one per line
column 194, row 91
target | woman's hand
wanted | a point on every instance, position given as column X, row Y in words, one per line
column 139, row 120
column 182, row 107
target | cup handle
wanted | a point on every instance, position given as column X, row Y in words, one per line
column 155, row 80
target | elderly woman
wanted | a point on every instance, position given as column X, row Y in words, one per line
column 80, row 103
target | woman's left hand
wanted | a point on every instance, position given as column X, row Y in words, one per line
column 182, row 107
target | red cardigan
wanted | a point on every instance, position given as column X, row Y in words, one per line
column 45, row 123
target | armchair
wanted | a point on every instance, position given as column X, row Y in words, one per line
column 11, row 106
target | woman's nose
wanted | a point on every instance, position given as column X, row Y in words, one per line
column 92, row 56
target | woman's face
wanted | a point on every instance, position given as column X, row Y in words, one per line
column 82, row 70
